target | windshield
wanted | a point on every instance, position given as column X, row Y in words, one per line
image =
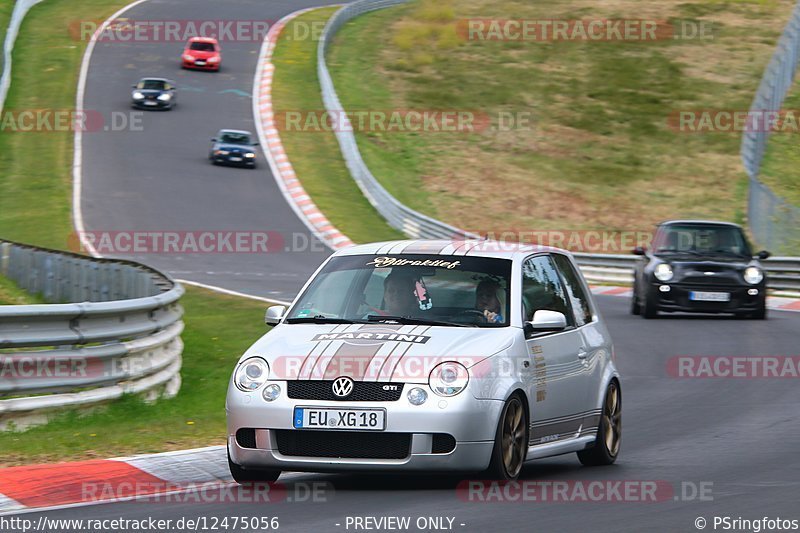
column 701, row 240
column 153, row 85
column 420, row 289
column 202, row 47
column 228, row 137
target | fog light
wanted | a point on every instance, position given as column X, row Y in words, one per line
column 752, row 292
column 664, row 288
column 271, row 392
column 417, row 396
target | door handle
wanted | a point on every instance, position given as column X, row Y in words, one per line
column 582, row 353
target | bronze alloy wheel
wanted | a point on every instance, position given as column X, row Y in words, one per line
column 513, row 440
column 612, row 419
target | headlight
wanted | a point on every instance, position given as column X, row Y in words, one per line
column 663, row 272
column 251, row 155
column 187, row 57
column 251, row 374
column 213, row 60
column 137, row 95
column 221, row 152
column 753, row 275
column 164, row 97
column 448, row 379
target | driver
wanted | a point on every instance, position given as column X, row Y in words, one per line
column 398, row 294
column 487, row 301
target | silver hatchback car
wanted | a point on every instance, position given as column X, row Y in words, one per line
column 472, row 356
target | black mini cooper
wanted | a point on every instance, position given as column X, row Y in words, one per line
column 699, row 267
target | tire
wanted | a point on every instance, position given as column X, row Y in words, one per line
column 635, row 308
column 510, row 442
column 649, row 309
column 242, row 476
column 761, row 314
column 609, row 433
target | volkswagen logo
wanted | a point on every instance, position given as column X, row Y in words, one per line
column 342, row 387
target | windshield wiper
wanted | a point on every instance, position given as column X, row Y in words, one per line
column 416, row 321
column 322, row 319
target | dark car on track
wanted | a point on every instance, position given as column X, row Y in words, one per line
column 233, row 147
column 699, row 266
column 154, row 93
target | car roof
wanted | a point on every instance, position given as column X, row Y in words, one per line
column 165, row 80
column 203, row 40
column 700, row 222
column 236, row 131
column 466, row 247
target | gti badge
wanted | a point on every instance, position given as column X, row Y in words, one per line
column 342, row 387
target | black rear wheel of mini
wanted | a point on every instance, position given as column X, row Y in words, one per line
column 609, row 433
column 242, row 476
column 510, row 443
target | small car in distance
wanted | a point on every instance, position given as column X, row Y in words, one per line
column 154, row 93
column 233, row 147
column 427, row 356
column 202, row 53
column 700, row 266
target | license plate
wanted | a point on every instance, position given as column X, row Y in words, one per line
column 236, row 158
column 199, row 63
column 331, row 418
column 150, row 102
column 710, row 296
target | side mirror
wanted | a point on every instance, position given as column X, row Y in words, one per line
column 545, row 320
column 133, row 86
column 639, row 250
column 213, row 139
column 255, row 143
column 763, row 254
column 274, row 315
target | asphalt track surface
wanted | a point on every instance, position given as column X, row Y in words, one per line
column 158, row 178
column 735, row 437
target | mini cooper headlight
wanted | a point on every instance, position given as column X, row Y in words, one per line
column 448, row 379
column 753, row 275
column 138, row 96
column 221, row 152
column 251, row 374
column 250, row 155
column 664, row 272
column 164, row 97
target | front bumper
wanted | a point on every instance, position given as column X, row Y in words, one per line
column 470, row 421
column 203, row 66
column 226, row 160
column 678, row 298
column 158, row 104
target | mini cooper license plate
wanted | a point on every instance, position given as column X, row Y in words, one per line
column 710, row 296
column 237, row 159
column 331, row 418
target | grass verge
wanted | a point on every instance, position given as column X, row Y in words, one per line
column 600, row 153
column 6, row 9
column 12, row 294
column 315, row 155
column 781, row 167
column 35, row 208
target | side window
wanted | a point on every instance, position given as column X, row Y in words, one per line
column 542, row 288
column 577, row 296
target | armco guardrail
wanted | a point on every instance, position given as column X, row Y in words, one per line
column 784, row 271
column 114, row 328
column 399, row 216
column 774, row 222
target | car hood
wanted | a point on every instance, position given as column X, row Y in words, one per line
column 239, row 147
column 201, row 55
column 378, row 352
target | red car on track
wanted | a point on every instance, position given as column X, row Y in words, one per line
column 202, row 53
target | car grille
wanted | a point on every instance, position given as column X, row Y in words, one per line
column 709, row 281
column 363, row 391
column 343, row 444
column 246, row 437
